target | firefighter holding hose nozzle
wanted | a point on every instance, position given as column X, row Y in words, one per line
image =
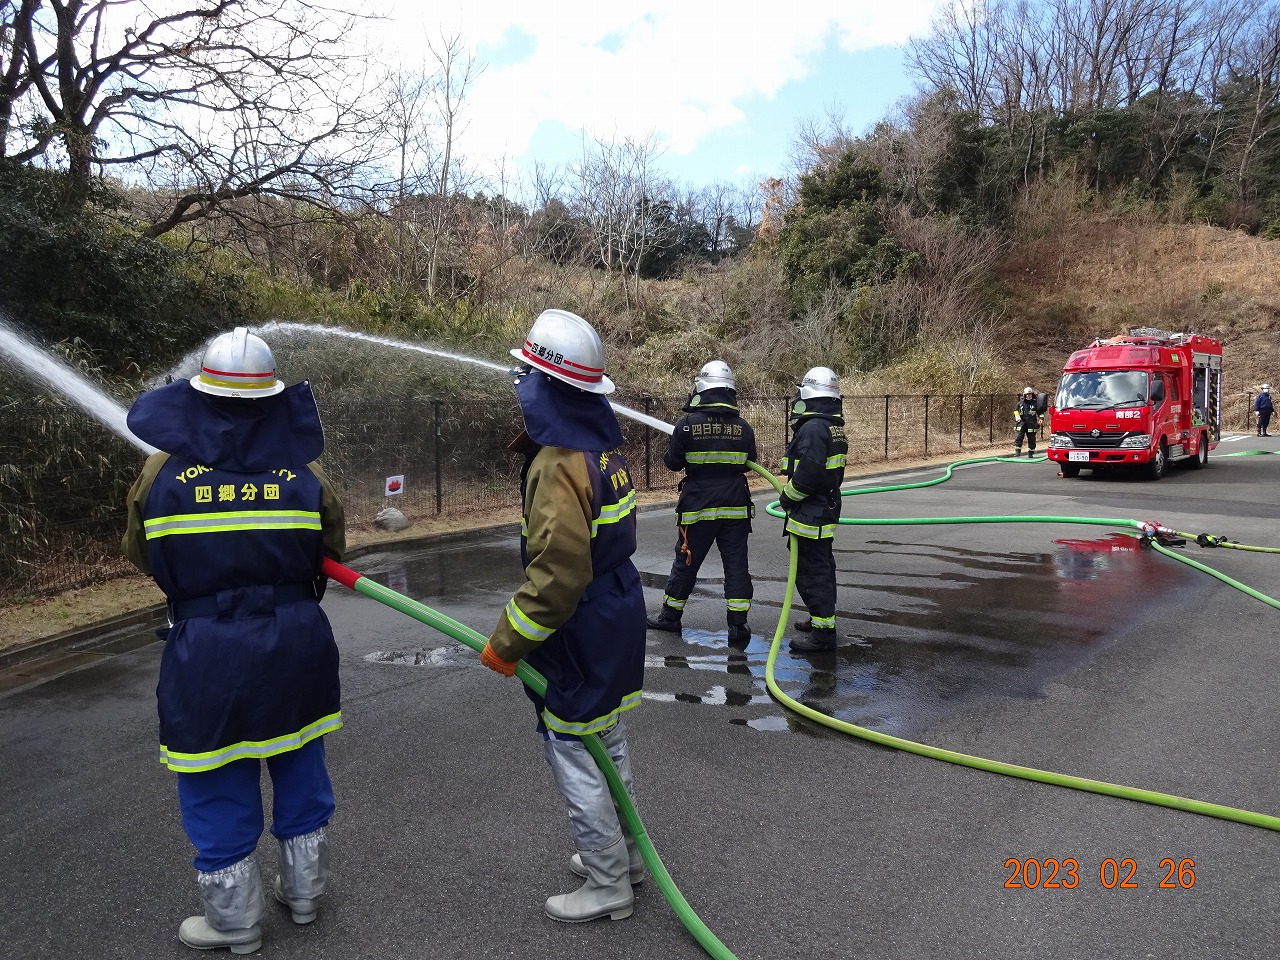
column 814, row 464
column 579, row 617
column 712, row 444
column 233, row 519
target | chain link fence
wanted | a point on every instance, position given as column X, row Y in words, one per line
column 64, row 478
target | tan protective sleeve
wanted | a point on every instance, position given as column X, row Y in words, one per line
column 134, row 544
column 333, row 518
column 557, row 506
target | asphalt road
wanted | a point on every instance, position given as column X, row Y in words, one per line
column 1059, row 646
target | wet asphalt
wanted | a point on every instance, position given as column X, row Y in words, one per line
column 1066, row 647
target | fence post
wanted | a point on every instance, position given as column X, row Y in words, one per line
column 439, row 448
column 886, row 426
column 648, row 432
column 991, row 417
column 962, row 421
column 926, row 424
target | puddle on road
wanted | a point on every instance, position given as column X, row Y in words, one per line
column 926, row 630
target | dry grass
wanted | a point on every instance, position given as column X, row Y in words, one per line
column 1098, row 277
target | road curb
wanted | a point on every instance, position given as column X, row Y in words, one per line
column 81, row 638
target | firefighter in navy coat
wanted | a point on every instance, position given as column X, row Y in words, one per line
column 712, row 444
column 578, row 618
column 814, row 465
column 233, row 519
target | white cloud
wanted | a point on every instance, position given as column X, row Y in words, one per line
column 678, row 69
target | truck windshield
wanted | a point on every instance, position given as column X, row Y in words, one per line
column 1102, row 390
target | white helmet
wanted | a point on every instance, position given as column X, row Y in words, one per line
column 1266, row 388
column 568, row 348
column 820, row 382
column 714, row 374
column 238, row 364
column 1028, row 392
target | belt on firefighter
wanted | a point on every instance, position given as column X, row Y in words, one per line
column 215, row 603
column 606, row 581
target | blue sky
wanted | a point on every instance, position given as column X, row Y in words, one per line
column 720, row 87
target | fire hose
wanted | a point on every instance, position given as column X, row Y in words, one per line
column 1153, row 534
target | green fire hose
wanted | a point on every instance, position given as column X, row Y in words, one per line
column 1152, row 534
column 538, row 684
column 996, row 766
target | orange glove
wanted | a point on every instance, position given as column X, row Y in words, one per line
column 494, row 662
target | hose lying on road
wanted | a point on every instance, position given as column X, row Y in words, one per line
column 538, row 684
column 1151, row 533
column 996, row 766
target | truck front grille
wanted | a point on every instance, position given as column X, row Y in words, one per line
column 1104, row 441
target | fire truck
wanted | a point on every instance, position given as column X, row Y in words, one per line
column 1140, row 401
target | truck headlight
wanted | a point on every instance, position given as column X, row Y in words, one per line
column 1061, row 440
column 1139, row 441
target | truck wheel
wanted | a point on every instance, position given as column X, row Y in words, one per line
column 1155, row 469
column 1202, row 456
column 1070, row 470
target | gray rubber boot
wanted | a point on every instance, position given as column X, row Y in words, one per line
column 304, row 871
column 637, row 872
column 606, row 892
column 615, row 742
column 233, row 907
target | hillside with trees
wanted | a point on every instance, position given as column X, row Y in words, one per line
column 1066, row 169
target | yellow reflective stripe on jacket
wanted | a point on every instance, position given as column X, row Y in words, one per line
column 590, row 726
column 232, row 520
column 835, row 462
column 716, row 513
column 259, row 749
column 528, row 628
column 790, row 492
column 716, row 456
column 614, row 512
column 784, row 464
column 807, row 530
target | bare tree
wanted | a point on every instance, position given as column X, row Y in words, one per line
column 729, row 215
column 617, row 186
column 456, row 71
column 210, row 100
column 15, row 79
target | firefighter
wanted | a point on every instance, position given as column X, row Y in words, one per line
column 579, row 616
column 814, row 465
column 1263, row 407
column 1028, row 419
column 232, row 519
column 712, row 444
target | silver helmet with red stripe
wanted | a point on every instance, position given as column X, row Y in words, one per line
column 568, row 348
column 238, row 364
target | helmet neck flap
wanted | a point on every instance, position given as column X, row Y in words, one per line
column 281, row 430
column 559, row 415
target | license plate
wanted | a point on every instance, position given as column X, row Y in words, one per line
column 1074, row 455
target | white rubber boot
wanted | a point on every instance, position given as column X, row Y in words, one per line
column 233, row 907
column 196, row 932
column 615, row 742
column 637, row 872
column 304, row 871
column 606, row 892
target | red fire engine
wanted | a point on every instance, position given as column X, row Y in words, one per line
column 1140, row 401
